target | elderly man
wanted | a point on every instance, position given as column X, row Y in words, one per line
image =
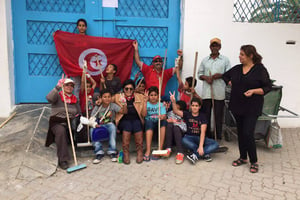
column 210, row 72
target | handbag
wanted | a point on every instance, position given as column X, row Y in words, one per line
column 274, row 137
column 100, row 133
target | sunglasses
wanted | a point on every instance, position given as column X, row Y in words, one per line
column 128, row 89
column 158, row 60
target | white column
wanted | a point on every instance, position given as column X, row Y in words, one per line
column 6, row 60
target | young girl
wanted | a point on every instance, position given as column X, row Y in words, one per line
column 194, row 139
column 81, row 27
column 90, row 87
column 151, row 121
column 175, row 131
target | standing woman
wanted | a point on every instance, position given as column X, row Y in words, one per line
column 133, row 121
column 58, row 127
column 250, row 81
column 81, row 27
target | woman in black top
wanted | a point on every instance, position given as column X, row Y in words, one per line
column 250, row 82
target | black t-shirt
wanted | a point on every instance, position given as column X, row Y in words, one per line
column 194, row 123
column 131, row 111
column 114, row 85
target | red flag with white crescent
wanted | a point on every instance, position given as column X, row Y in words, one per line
column 72, row 49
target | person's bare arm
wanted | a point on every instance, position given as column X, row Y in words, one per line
column 136, row 54
column 175, row 109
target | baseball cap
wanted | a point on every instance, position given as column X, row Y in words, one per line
column 156, row 57
column 68, row 80
column 216, row 40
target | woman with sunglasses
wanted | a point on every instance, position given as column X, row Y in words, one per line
column 58, row 119
column 132, row 122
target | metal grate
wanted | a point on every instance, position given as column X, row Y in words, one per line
column 40, row 32
column 148, row 37
column 44, row 65
column 143, row 8
column 266, row 11
column 65, row 6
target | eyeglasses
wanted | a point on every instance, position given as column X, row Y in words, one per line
column 128, row 89
column 158, row 60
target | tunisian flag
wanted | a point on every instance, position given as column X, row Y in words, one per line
column 72, row 49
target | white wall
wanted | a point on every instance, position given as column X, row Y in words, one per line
column 206, row 19
column 6, row 60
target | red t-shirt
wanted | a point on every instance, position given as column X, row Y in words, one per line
column 82, row 100
column 184, row 95
column 151, row 77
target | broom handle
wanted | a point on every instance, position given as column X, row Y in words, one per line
column 86, row 105
column 194, row 73
column 159, row 93
column 100, row 73
column 69, row 126
column 213, row 107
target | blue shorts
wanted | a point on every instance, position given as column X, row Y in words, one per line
column 152, row 125
column 132, row 126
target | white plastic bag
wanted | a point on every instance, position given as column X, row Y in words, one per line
column 274, row 137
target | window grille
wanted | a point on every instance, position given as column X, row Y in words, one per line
column 266, row 11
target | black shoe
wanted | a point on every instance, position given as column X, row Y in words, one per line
column 192, row 158
column 207, row 158
column 114, row 157
column 64, row 165
column 98, row 158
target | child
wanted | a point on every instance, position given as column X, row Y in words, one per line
column 186, row 90
column 151, row 121
column 141, row 86
column 194, row 139
column 90, row 87
column 111, row 82
column 106, row 113
column 175, row 130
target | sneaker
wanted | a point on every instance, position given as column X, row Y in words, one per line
column 98, row 158
column 193, row 158
column 64, row 165
column 179, row 158
column 207, row 158
column 167, row 155
column 114, row 157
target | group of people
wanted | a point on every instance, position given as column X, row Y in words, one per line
column 134, row 108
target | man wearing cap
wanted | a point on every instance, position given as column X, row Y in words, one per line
column 210, row 72
column 151, row 73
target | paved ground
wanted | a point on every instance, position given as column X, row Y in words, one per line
column 278, row 178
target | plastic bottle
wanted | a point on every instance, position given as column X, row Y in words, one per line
column 120, row 157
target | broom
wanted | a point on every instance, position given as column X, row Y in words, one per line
column 160, row 79
column 194, row 75
column 86, row 144
column 76, row 167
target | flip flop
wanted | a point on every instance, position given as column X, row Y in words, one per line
column 146, row 158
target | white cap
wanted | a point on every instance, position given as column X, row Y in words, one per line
column 68, row 80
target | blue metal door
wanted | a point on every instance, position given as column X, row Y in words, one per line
column 154, row 23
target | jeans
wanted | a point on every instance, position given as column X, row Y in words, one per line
column 112, row 130
column 191, row 142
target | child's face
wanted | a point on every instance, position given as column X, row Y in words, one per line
column 186, row 86
column 88, row 87
column 195, row 107
column 177, row 106
column 110, row 69
column 81, row 28
column 141, row 88
column 153, row 97
column 106, row 98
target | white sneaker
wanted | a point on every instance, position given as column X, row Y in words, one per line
column 193, row 158
column 98, row 158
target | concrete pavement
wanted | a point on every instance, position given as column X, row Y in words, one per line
column 278, row 176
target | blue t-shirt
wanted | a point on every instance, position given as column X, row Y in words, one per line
column 194, row 123
column 152, row 111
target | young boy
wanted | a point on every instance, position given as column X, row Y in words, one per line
column 106, row 113
column 90, row 87
column 111, row 82
column 186, row 90
column 175, row 131
column 151, row 121
column 194, row 139
column 141, row 86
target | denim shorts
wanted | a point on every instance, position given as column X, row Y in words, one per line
column 152, row 125
column 132, row 126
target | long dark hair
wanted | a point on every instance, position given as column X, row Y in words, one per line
column 251, row 50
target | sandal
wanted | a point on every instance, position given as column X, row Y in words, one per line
column 146, row 158
column 254, row 168
column 238, row 162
